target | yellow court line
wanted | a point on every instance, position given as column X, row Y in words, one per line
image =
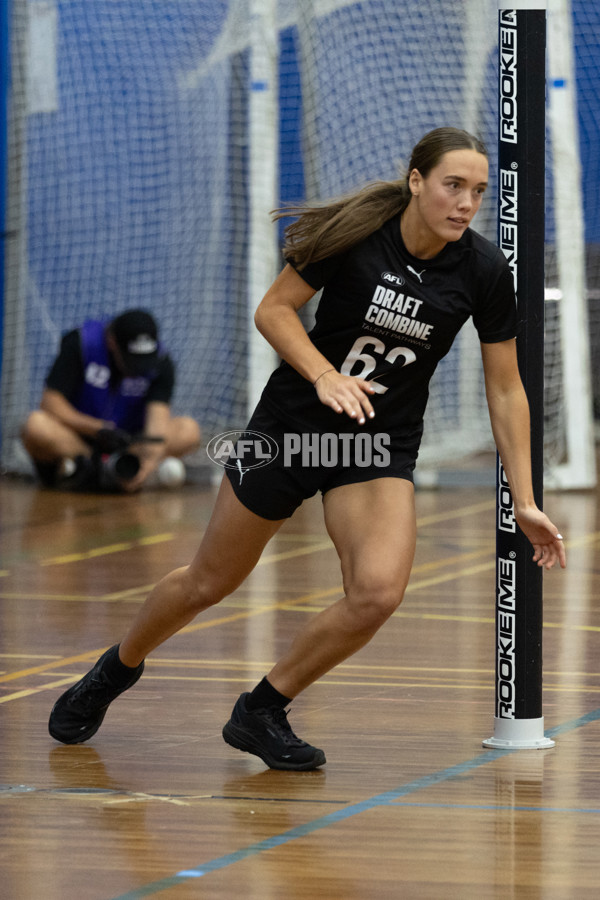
column 391, row 681
column 441, row 617
column 450, row 560
column 296, row 537
column 566, row 626
column 356, row 668
column 449, row 576
column 77, row 598
column 583, row 540
column 57, row 664
column 155, row 539
column 300, row 551
column 437, row 669
column 328, row 545
column 344, row 679
column 27, row 692
column 11, row 595
column 29, row 656
column 86, row 554
column 105, row 550
column 452, row 685
column 458, row 513
column 129, row 592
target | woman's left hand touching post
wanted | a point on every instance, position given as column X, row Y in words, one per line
column 545, row 538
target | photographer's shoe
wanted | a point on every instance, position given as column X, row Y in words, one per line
column 77, row 474
column 267, row 733
column 70, row 474
column 78, row 713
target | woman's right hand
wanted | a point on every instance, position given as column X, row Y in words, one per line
column 346, row 394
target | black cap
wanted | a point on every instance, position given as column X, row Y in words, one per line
column 136, row 334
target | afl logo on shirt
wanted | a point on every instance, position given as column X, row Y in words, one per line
column 97, row 375
column 390, row 278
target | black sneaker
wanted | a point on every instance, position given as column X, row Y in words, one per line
column 47, row 472
column 78, row 713
column 79, row 474
column 267, row 733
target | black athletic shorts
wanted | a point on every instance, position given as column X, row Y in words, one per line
column 273, row 468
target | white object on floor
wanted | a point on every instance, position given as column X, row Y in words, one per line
column 171, row 472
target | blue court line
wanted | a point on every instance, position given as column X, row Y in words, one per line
column 384, row 799
column 592, row 716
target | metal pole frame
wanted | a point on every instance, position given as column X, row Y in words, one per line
column 518, row 720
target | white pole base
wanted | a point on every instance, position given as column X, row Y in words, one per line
column 519, row 734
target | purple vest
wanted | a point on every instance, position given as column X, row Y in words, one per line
column 124, row 401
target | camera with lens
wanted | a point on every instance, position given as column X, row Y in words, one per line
column 115, row 464
column 116, row 469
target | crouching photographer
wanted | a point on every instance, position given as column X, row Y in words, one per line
column 110, row 380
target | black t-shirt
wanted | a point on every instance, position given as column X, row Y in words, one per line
column 66, row 374
column 389, row 317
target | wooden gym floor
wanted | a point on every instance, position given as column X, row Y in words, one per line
column 409, row 805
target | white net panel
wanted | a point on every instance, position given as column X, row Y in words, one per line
column 129, row 173
column 586, row 43
column 578, row 205
column 128, row 189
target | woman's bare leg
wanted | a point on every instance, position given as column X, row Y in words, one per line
column 373, row 527
column 230, row 549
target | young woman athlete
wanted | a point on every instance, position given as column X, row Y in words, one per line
column 401, row 271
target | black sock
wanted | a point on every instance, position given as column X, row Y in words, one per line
column 117, row 671
column 265, row 695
